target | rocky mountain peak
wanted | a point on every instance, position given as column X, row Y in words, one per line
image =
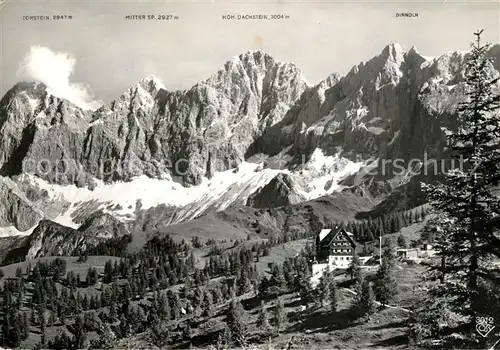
column 280, row 191
column 414, row 58
column 393, row 52
column 28, row 99
column 255, row 55
column 256, row 68
column 387, row 66
column 151, row 84
column 147, row 127
column 28, row 96
column 33, row 89
column 139, row 96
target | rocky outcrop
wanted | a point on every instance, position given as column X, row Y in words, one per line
column 280, row 191
column 15, row 209
column 103, row 226
column 50, row 238
column 13, row 249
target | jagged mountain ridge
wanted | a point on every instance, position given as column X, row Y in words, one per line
column 396, row 105
column 369, row 111
column 148, row 130
column 392, row 105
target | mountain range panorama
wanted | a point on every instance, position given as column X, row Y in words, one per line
column 201, row 149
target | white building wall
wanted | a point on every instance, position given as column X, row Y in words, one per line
column 319, row 269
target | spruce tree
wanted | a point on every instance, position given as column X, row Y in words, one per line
column 366, row 305
column 6, row 329
column 160, row 334
column 108, row 272
column 354, row 267
column 26, row 326
column 175, row 310
column 79, row 332
column 280, row 317
column 225, row 339
column 332, row 286
column 277, row 277
column 386, row 287
column 304, row 287
column 208, row 303
column 187, row 332
column 358, row 285
column 263, row 319
column 164, row 307
column 236, row 323
column 467, row 199
column 243, row 282
column 323, row 288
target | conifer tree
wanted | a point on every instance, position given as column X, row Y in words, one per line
column 386, row 287
column 160, row 334
column 324, row 288
column 280, row 317
column 175, row 310
column 164, row 307
column 358, row 285
column 303, row 286
column 236, row 323
column 243, row 282
column 108, row 272
column 187, row 332
column 79, row 332
column 467, row 199
column 225, row 339
column 354, row 267
column 366, row 305
column 26, row 326
column 332, row 287
column 277, row 277
column 263, row 319
column 6, row 329
column 208, row 303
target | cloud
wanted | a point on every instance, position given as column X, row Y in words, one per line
column 54, row 69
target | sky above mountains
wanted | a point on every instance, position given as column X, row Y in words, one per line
column 98, row 53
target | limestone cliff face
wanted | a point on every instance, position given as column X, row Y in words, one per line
column 41, row 134
column 304, row 112
column 148, row 130
column 396, row 104
column 15, row 208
